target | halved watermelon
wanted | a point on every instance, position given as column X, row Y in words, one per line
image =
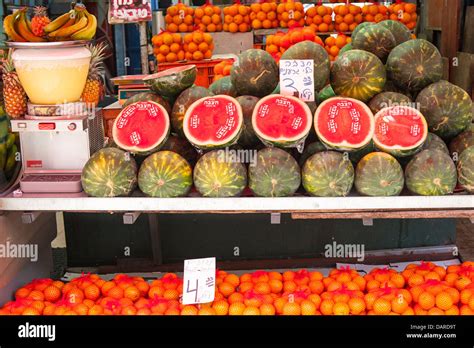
column 171, row 82
column 213, row 122
column 344, row 124
column 141, row 127
column 282, row 121
column 400, row 130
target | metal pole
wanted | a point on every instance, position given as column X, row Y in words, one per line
column 144, row 48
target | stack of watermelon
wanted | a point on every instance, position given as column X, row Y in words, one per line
column 382, row 125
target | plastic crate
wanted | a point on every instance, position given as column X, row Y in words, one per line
column 205, row 70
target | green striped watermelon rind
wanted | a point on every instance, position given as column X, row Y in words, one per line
column 397, row 150
column 465, row 169
column 172, row 82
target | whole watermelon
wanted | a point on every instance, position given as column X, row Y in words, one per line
column 215, row 176
column 399, row 31
column 274, row 174
column 375, row 39
column 223, row 86
column 360, row 27
column 466, row 169
column 255, row 73
column 310, row 150
column 431, row 173
column 386, row 99
column 277, row 89
column 379, row 175
column 183, row 102
column 447, row 109
column 171, row 82
column 391, row 87
column 346, row 48
column 148, row 96
column 248, row 138
column 326, row 93
column 165, row 174
column 182, row 147
column 462, row 141
column 110, row 172
column 415, row 64
column 358, row 74
column 435, row 142
column 315, row 52
column 328, row 174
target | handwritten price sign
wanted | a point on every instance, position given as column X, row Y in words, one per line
column 129, row 11
column 199, row 281
column 297, row 78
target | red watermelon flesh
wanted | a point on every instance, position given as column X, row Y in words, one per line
column 281, row 120
column 213, row 122
column 400, row 130
column 344, row 123
column 141, row 127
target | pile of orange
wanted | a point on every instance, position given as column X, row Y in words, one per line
column 168, row 47
column 461, row 276
column 347, row 17
column 375, row 13
column 179, row 18
column 222, row 69
column 263, row 15
column 405, row 13
column 334, row 44
column 198, row 45
column 208, row 18
column 343, row 301
column 383, row 277
column 415, row 274
column 435, row 297
column 319, row 17
column 291, row 14
column 389, row 301
column 278, row 43
column 237, row 18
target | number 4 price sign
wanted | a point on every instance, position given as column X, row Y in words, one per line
column 297, row 79
column 199, row 281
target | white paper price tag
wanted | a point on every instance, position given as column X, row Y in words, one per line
column 199, row 281
column 297, row 78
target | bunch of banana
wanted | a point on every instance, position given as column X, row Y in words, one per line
column 77, row 24
column 8, row 150
column 18, row 27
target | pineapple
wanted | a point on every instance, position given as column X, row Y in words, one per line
column 94, row 89
column 39, row 21
column 13, row 93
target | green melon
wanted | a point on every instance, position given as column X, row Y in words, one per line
column 182, row 147
column 462, row 142
column 379, row 174
column 415, row 64
column 356, row 156
column 431, row 173
column 466, row 169
column 447, row 108
column 183, row 102
column 255, row 73
column 248, row 138
column 315, row 52
column 148, row 96
column 165, row 174
column 172, row 82
column 386, row 99
column 399, row 31
column 310, row 150
column 435, row 142
column 375, row 39
column 223, row 86
column 328, row 174
column 214, row 176
column 110, row 172
column 275, row 174
column 324, row 94
column 346, row 48
column 360, row 27
column 277, row 89
column 358, row 74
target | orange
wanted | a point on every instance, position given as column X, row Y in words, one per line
column 341, row 308
column 236, row 297
column 81, row 309
column 308, row 308
column 340, row 41
column 144, row 311
column 289, row 286
column 291, row 308
column 399, row 305
column 288, row 275
column 203, row 47
column 132, row 293
column 381, row 306
column 462, row 282
column 36, row 295
column 232, row 278
column 443, row 301
column 326, row 307
column 226, row 289
column 415, row 279
column 316, row 299
column 171, row 294
column 52, row 293
column 334, row 51
column 236, row 308
column 31, row 311
column 116, row 293
column 189, row 310
column 105, row 287
column 206, row 311
column 316, row 286
column 426, row 300
column 221, row 307
column 155, row 291
column 356, row 305
column 262, row 288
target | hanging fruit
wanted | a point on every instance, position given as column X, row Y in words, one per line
column 375, row 13
column 290, row 14
column 264, row 15
column 347, row 17
column 179, row 18
column 208, row 18
column 237, row 18
column 319, row 17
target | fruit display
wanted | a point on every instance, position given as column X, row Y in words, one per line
column 78, row 24
column 375, row 39
column 208, row 18
column 344, row 124
column 213, row 122
column 379, row 174
column 319, row 17
column 278, row 43
column 282, row 121
column 171, row 82
column 466, row 169
column 310, row 150
column 347, row 17
column 375, row 13
column 387, row 99
column 14, row 95
column 198, row 46
column 405, row 13
column 179, row 18
column 168, row 47
column 165, row 174
column 334, row 45
column 94, row 89
column 215, row 177
column 222, row 69
column 274, row 174
column 447, row 108
column 400, row 130
column 433, row 290
column 110, row 172
column 263, row 15
column 237, row 18
column 248, row 138
column 148, row 96
column 290, row 14
column 462, row 142
column 435, row 142
column 182, row 147
column 398, row 30
column 431, row 173
column 328, row 174
column 223, row 86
